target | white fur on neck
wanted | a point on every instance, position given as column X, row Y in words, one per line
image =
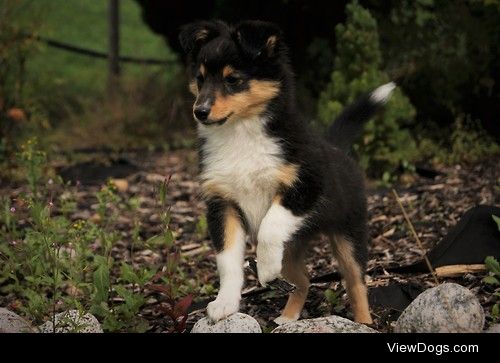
column 241, row 158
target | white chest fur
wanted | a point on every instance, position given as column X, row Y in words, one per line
column 241, row 159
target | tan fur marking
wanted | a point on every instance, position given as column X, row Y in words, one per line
column 351, row 272
column 203, row 70
column 193, row 88
column 360, row 306
column 201, row 35
column 294, row 305
column 271, row 44
column 227, row 71
column 294, row 270
column 245, row 104
column 231, row 226
column 287, row 174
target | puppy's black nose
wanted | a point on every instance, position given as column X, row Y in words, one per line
column 201, row 112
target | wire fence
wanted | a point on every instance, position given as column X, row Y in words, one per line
column 97, row 54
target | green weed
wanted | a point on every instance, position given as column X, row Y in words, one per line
column 52, row 263
column 493, row 279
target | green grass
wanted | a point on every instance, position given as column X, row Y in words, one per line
column 84, row 23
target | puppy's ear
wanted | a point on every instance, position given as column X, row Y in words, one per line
column 194, row 35
column 259, row 39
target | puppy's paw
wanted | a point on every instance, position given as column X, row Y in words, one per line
column 280, row 320
column 221, row 308
column 269, row 264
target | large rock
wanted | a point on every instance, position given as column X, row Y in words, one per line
column 72, row 321
column 329, row 324
column 12, row 323
column 447, row 308
column 236, row 323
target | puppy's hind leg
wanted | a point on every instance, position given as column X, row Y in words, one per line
column 294, row 271
column 350, row 256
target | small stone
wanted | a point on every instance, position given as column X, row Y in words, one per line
column 72, row 321
column 12, row 323
column 96, row 218
column 236, row 323
column 120, row 184
column 329, row 324
column 447, row 308
column 74, row 291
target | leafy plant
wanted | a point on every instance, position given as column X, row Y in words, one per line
column 334, row 299
column 32, row 160
column 202, row 227
column 52, row 263
column 469, row 142
column 168, row 282
column 493, row 279
column 176, row 310
column 494, row 268
column 497, row 221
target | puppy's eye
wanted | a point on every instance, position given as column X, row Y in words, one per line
column 200, row 78
column 232, row 80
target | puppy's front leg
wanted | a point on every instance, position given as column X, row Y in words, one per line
column 228, row 235
column 277, row 227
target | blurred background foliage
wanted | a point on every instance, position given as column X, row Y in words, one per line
column 445, row 55
column 387, row 141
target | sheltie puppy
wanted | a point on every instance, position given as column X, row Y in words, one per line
column 264, row 174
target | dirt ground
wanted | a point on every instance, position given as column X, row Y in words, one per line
column 434, row 203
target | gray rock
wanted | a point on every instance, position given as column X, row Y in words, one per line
column 72, row 321
column 447, row 308
column 236, row 323
column 12, row 323
column 329, row 324
column 494, row 329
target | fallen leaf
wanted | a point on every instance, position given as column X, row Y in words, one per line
column 16, row 114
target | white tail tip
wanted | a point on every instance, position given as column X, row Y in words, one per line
column 381, row 94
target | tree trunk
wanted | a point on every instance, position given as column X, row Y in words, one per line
column 114, row 45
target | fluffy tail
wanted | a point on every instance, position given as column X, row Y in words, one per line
column 349, row 124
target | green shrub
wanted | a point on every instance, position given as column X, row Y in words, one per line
column 467, row 142
column 17, row 113
column 386, row 142
column 447, row 51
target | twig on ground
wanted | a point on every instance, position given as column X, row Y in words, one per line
column 196, row 251
column 458, row 270
column 412, row 229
